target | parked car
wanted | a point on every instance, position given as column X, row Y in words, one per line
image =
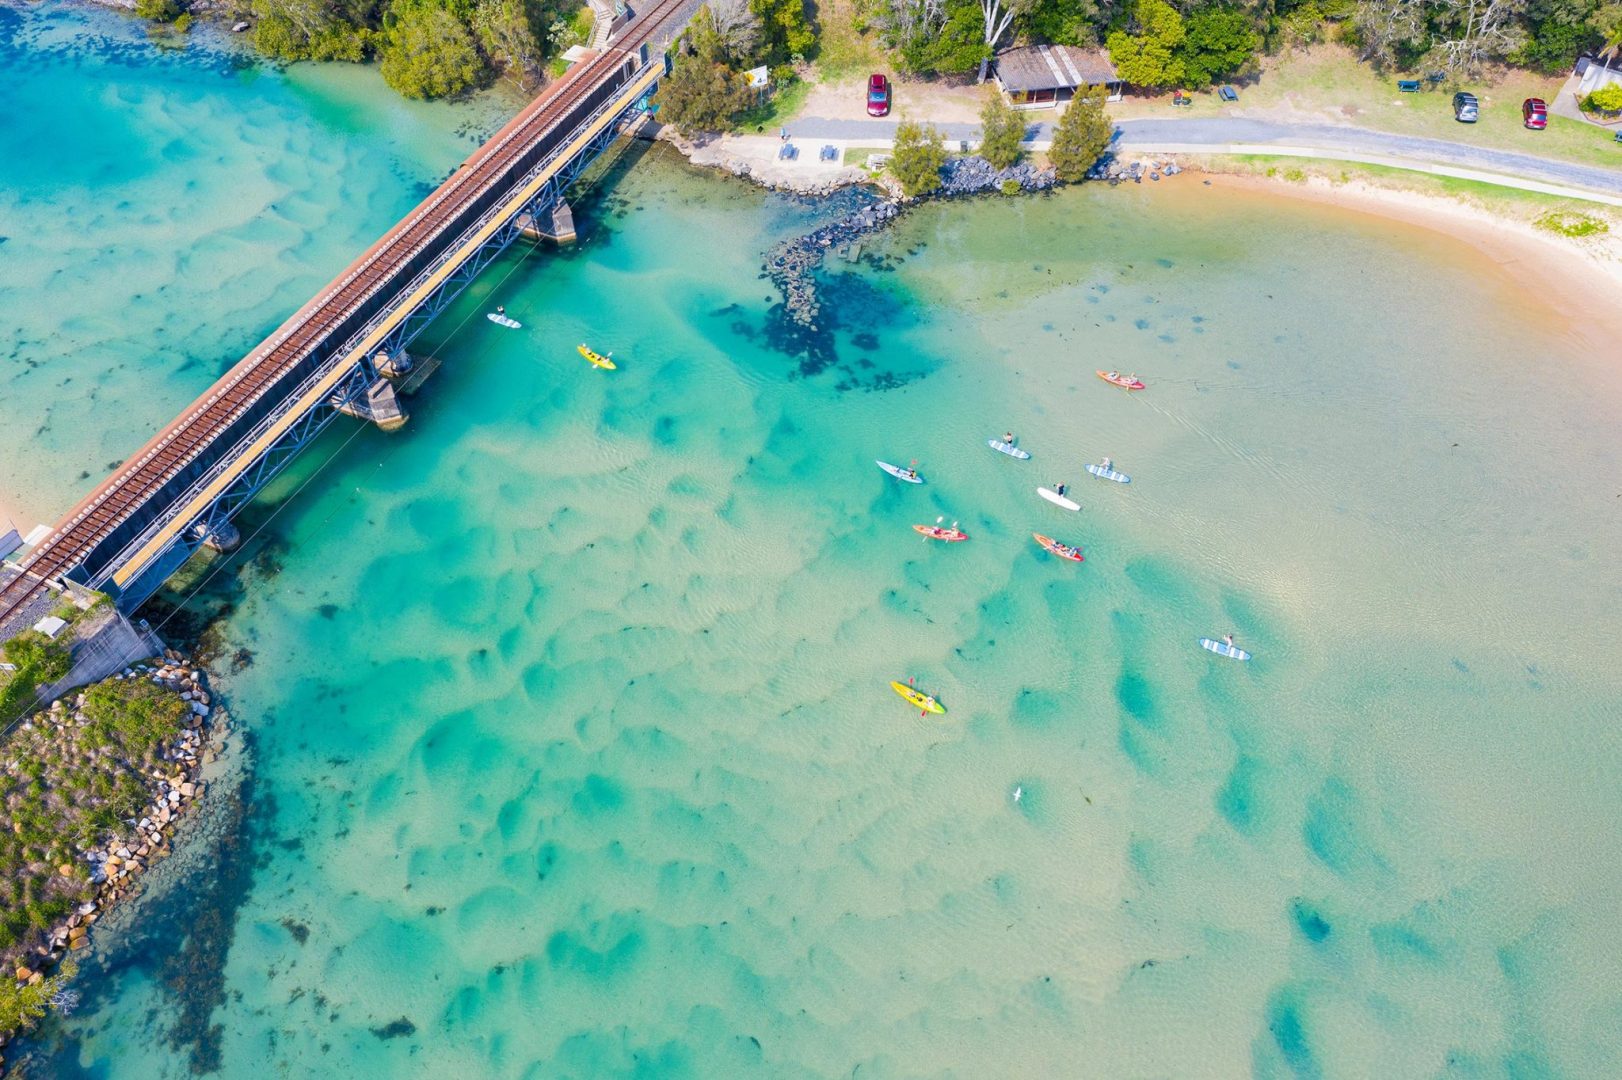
column 878, row 95
column 1466, row 110
column 1535, row 114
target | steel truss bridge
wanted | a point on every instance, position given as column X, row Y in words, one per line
column 186, row 484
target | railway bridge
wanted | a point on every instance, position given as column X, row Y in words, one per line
column 336, row 353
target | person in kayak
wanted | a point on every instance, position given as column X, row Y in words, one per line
column 1115, row 374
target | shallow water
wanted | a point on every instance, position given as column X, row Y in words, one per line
column 573, row 753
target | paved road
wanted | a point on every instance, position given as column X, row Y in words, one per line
column 1256, row 135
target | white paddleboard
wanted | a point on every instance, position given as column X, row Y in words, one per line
column 1056, row 499
column 502, row 320
column 898, row 472
column 1007, row 448
column 1222, row 648
column 1109, row 474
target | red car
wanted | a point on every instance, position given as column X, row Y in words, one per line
column 1535, row 114
column 878, row 95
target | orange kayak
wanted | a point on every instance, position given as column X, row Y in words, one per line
column 1126, row 382
column 1063, row 551
column 935, row 532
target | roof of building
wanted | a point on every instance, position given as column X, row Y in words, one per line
column 1050, row 67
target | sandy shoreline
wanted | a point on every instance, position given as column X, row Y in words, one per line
column 1578, row 278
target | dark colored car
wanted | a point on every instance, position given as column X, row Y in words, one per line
column 1466, row 110
column 1535, row 113
column 878, row 95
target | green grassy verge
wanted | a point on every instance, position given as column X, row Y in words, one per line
column 774, row 112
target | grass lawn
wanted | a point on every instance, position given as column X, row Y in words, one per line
column 777, row 110
column 1528, row 205
column 1327, row 84
column 857, row 155
column 841, row 51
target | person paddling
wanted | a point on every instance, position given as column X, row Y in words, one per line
column 1008, row 437
column 1059, row 489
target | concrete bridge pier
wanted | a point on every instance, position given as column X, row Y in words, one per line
column 381, row 406
column 556, row 226
column 223, row 538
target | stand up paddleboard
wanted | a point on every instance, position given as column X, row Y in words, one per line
column 1222, row 648
column 898, row 472
column 1007, row 448
column 502, row 320
column 1109, row 474
column 1056, row 499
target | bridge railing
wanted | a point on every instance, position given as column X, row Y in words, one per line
column 350, row 351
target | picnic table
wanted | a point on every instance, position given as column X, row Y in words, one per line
column 1408, row 86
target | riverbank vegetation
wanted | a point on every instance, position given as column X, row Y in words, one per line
column 89, row 789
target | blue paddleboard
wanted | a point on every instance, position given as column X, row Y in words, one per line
column 1109, row 474
column 1007, row 448
column 1222, row 648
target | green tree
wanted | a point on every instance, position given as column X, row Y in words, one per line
column 20, row 1006
column 428, row 52
column 702, row 93
column 958, row 46
column 786, row 30
column 508, row 34
column 917, row 158
column 162, row 11
column 1149, row 57
column 313, row 29
column 1219, row 41
column 1001, row 131
column 1083, row 134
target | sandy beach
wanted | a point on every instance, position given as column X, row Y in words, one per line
column 1578, row 278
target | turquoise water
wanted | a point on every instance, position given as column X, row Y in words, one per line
column 161, row 210
column 571, row 747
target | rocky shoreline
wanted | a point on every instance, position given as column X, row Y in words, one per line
column 791, row 265
column 109, row 871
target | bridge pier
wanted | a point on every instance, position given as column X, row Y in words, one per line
column 223, row 537
column 556, row 226
column 381, row 406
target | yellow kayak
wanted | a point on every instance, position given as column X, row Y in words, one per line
column 596, row 360
column 922, row 701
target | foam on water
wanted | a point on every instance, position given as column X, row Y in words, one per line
column 573, row 750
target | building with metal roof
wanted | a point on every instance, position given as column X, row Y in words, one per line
column 1042, row 76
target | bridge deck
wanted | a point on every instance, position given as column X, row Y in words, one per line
column 212, row 422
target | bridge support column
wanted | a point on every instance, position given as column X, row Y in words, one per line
column 223, row 537
column 556, row 226
column 380, row 405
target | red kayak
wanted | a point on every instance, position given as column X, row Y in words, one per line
column 1126, row 382
column 935, row 532
column 1063, row 551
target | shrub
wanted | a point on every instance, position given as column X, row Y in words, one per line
column 158, row 10
column 428, row 52
column 1607, row 98
column 1572, row 223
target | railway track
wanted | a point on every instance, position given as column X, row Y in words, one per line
column 163, row 458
